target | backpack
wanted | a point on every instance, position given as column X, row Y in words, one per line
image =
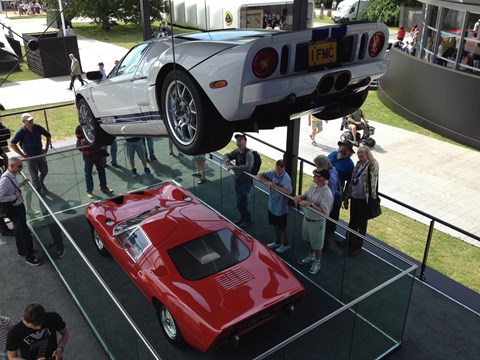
column 4, row 135
column 257, row 162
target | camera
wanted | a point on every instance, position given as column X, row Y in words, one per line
column 355, row 181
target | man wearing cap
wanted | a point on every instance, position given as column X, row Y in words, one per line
column 243, row 182
column 317, row 200
column 29, row 137
column 342, row 162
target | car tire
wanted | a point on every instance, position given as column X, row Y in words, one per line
column 347, row 105
column 197, row 127
column 169, row 326
column 92, row 131
column 97, row 241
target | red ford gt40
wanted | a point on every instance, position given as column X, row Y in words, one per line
column 209, row 281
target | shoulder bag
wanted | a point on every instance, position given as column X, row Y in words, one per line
column 373, row 206
column 7, row 206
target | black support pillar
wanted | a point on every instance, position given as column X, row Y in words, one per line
column 293, row 128
column 145, row 15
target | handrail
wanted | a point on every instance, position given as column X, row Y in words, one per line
column 39, row 109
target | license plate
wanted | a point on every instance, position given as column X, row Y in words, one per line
column 321, row 54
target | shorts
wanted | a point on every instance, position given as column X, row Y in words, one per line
column 317, row 124
column 314, row 233
column 277, row 221
column 136, row 146
column 200, row 157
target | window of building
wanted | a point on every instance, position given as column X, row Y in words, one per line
column 470, row 58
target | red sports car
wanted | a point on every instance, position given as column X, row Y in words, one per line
column 209, row 281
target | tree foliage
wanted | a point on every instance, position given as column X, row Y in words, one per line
column 387, row 11
column 106, row 11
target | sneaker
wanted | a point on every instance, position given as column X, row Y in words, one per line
column 283, row 248
column 106, row 190
column 315, row 268
column 245, row 224
column 134, row 173
column 148, row 172
column 34, row 262
column 201, row 181
column 153, row 158
column 238, row 221
column 196, row 174
column 90, row 195
column 59, row 254
column 273, row 245
column 307, row 260
column 115, row 165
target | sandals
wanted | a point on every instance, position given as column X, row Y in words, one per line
column 313, row 141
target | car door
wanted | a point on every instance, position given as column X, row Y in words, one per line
column 117, row 95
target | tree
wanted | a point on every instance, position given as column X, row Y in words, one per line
column 387, row 11
column 105, row 11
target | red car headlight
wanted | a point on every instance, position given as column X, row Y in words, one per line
column 375, row 46
column 265, row 62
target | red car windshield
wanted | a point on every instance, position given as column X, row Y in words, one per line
column 208, row 255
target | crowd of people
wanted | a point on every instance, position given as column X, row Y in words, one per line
column 29, row 7
column 337, row 181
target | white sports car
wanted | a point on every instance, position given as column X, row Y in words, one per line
column 231, row 80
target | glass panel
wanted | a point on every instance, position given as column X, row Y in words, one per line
column 450, row 32
column 381, row 319
column 470, row 59
column 433, row 11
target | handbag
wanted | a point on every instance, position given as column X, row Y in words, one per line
column 5, row 208
column 373, row 206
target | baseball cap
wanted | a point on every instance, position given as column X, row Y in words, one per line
column 27, row 117
column 240, row 136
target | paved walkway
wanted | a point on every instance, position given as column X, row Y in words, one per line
column 431, row 175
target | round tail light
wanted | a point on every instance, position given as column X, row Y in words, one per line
column 265, row 62
column 375, row 46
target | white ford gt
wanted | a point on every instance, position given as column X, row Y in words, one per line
column 231, row 80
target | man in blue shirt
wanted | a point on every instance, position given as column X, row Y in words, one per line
column 279, row 183
column 341, row 161
column 29, row 137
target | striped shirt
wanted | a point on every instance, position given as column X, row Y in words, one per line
column 5, row 325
